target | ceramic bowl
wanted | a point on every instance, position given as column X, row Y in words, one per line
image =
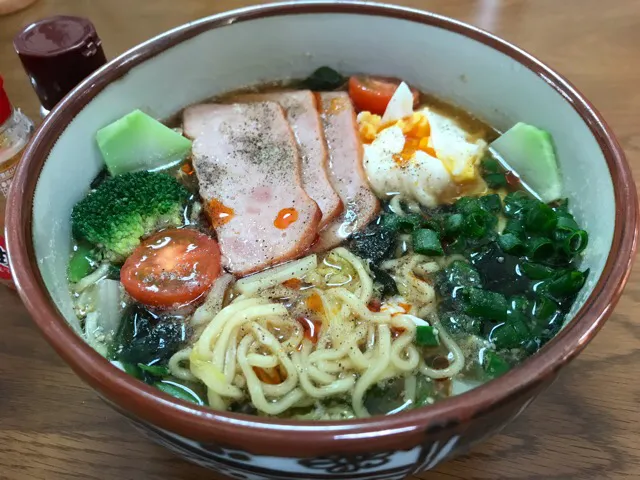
column 459, row 63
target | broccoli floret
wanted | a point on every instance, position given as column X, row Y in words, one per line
column 123, row 209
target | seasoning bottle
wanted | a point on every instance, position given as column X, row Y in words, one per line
column 15, row 131
column 58, row 53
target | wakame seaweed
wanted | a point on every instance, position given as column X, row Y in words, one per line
column 100, row 178
column 375, row 242
column 386, row 281
column 145, row 341
column 324, row 79
column 500, row 271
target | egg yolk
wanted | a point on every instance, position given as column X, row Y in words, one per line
column 416, row 130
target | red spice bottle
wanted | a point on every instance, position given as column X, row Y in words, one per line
column 15, row 131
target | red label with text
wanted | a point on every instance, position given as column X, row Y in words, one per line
column 5, row 271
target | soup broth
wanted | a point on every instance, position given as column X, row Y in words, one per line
column 298, row 261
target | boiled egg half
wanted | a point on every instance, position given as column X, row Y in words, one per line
column 419, row 155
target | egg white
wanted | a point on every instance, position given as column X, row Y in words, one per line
column 423, row 178
column 452, row 146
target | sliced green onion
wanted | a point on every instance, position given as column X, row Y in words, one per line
column 520, row 304
column 179, row 391
column 476, row 224
column 565, row 285
column 544, row 308
column 513, row 225
column 455, row 322
column 575, row 243
column 509, row 335
column 453, row 224
column 131, row 369
column 540, row 218
column 516, row 202
column 540, row 248
column 390, row 222
column 155, row 370
column 402, row 223
column 494, row 365
column 491, row 165
column 408, row 223
column 427, row 336
column 567, row 223
column 491, row 203
column 510, row 243
column 485, row 304
column 496, row 180
column 536, row 271
column 461, row 273
column 432, row 223
column 81, row 263
column 426, row 391
column 468, row 205
column 427, row 242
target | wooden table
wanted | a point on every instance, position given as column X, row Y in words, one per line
column 587, row 426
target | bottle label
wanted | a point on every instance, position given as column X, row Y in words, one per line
column 5, row 271
column 7, row 172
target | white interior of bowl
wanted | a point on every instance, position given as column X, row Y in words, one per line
column 484, row 81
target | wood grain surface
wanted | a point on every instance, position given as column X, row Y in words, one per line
column 587, row 426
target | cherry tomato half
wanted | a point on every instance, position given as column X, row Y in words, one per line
column 373, row 93
column 172, row 267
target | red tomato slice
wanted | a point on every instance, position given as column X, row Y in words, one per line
column 171, row 268
column 373, row 93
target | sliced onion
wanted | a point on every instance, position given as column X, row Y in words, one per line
column 460, row 386
column 274, row 276
column 213, row 303
column 418, row 321
column 92, row 278
column 109, row 305
column 104, row 321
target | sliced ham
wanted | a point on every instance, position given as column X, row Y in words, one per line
column 302, row 113
column 346, row 172
column 247, row 162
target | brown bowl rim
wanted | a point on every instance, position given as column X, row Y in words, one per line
column 297, row 438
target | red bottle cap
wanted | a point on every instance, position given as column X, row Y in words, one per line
column 5, row 104
column 57, row 54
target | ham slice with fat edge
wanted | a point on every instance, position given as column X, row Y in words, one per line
column 302, row 113
column 346, row 172
column 248, row 166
